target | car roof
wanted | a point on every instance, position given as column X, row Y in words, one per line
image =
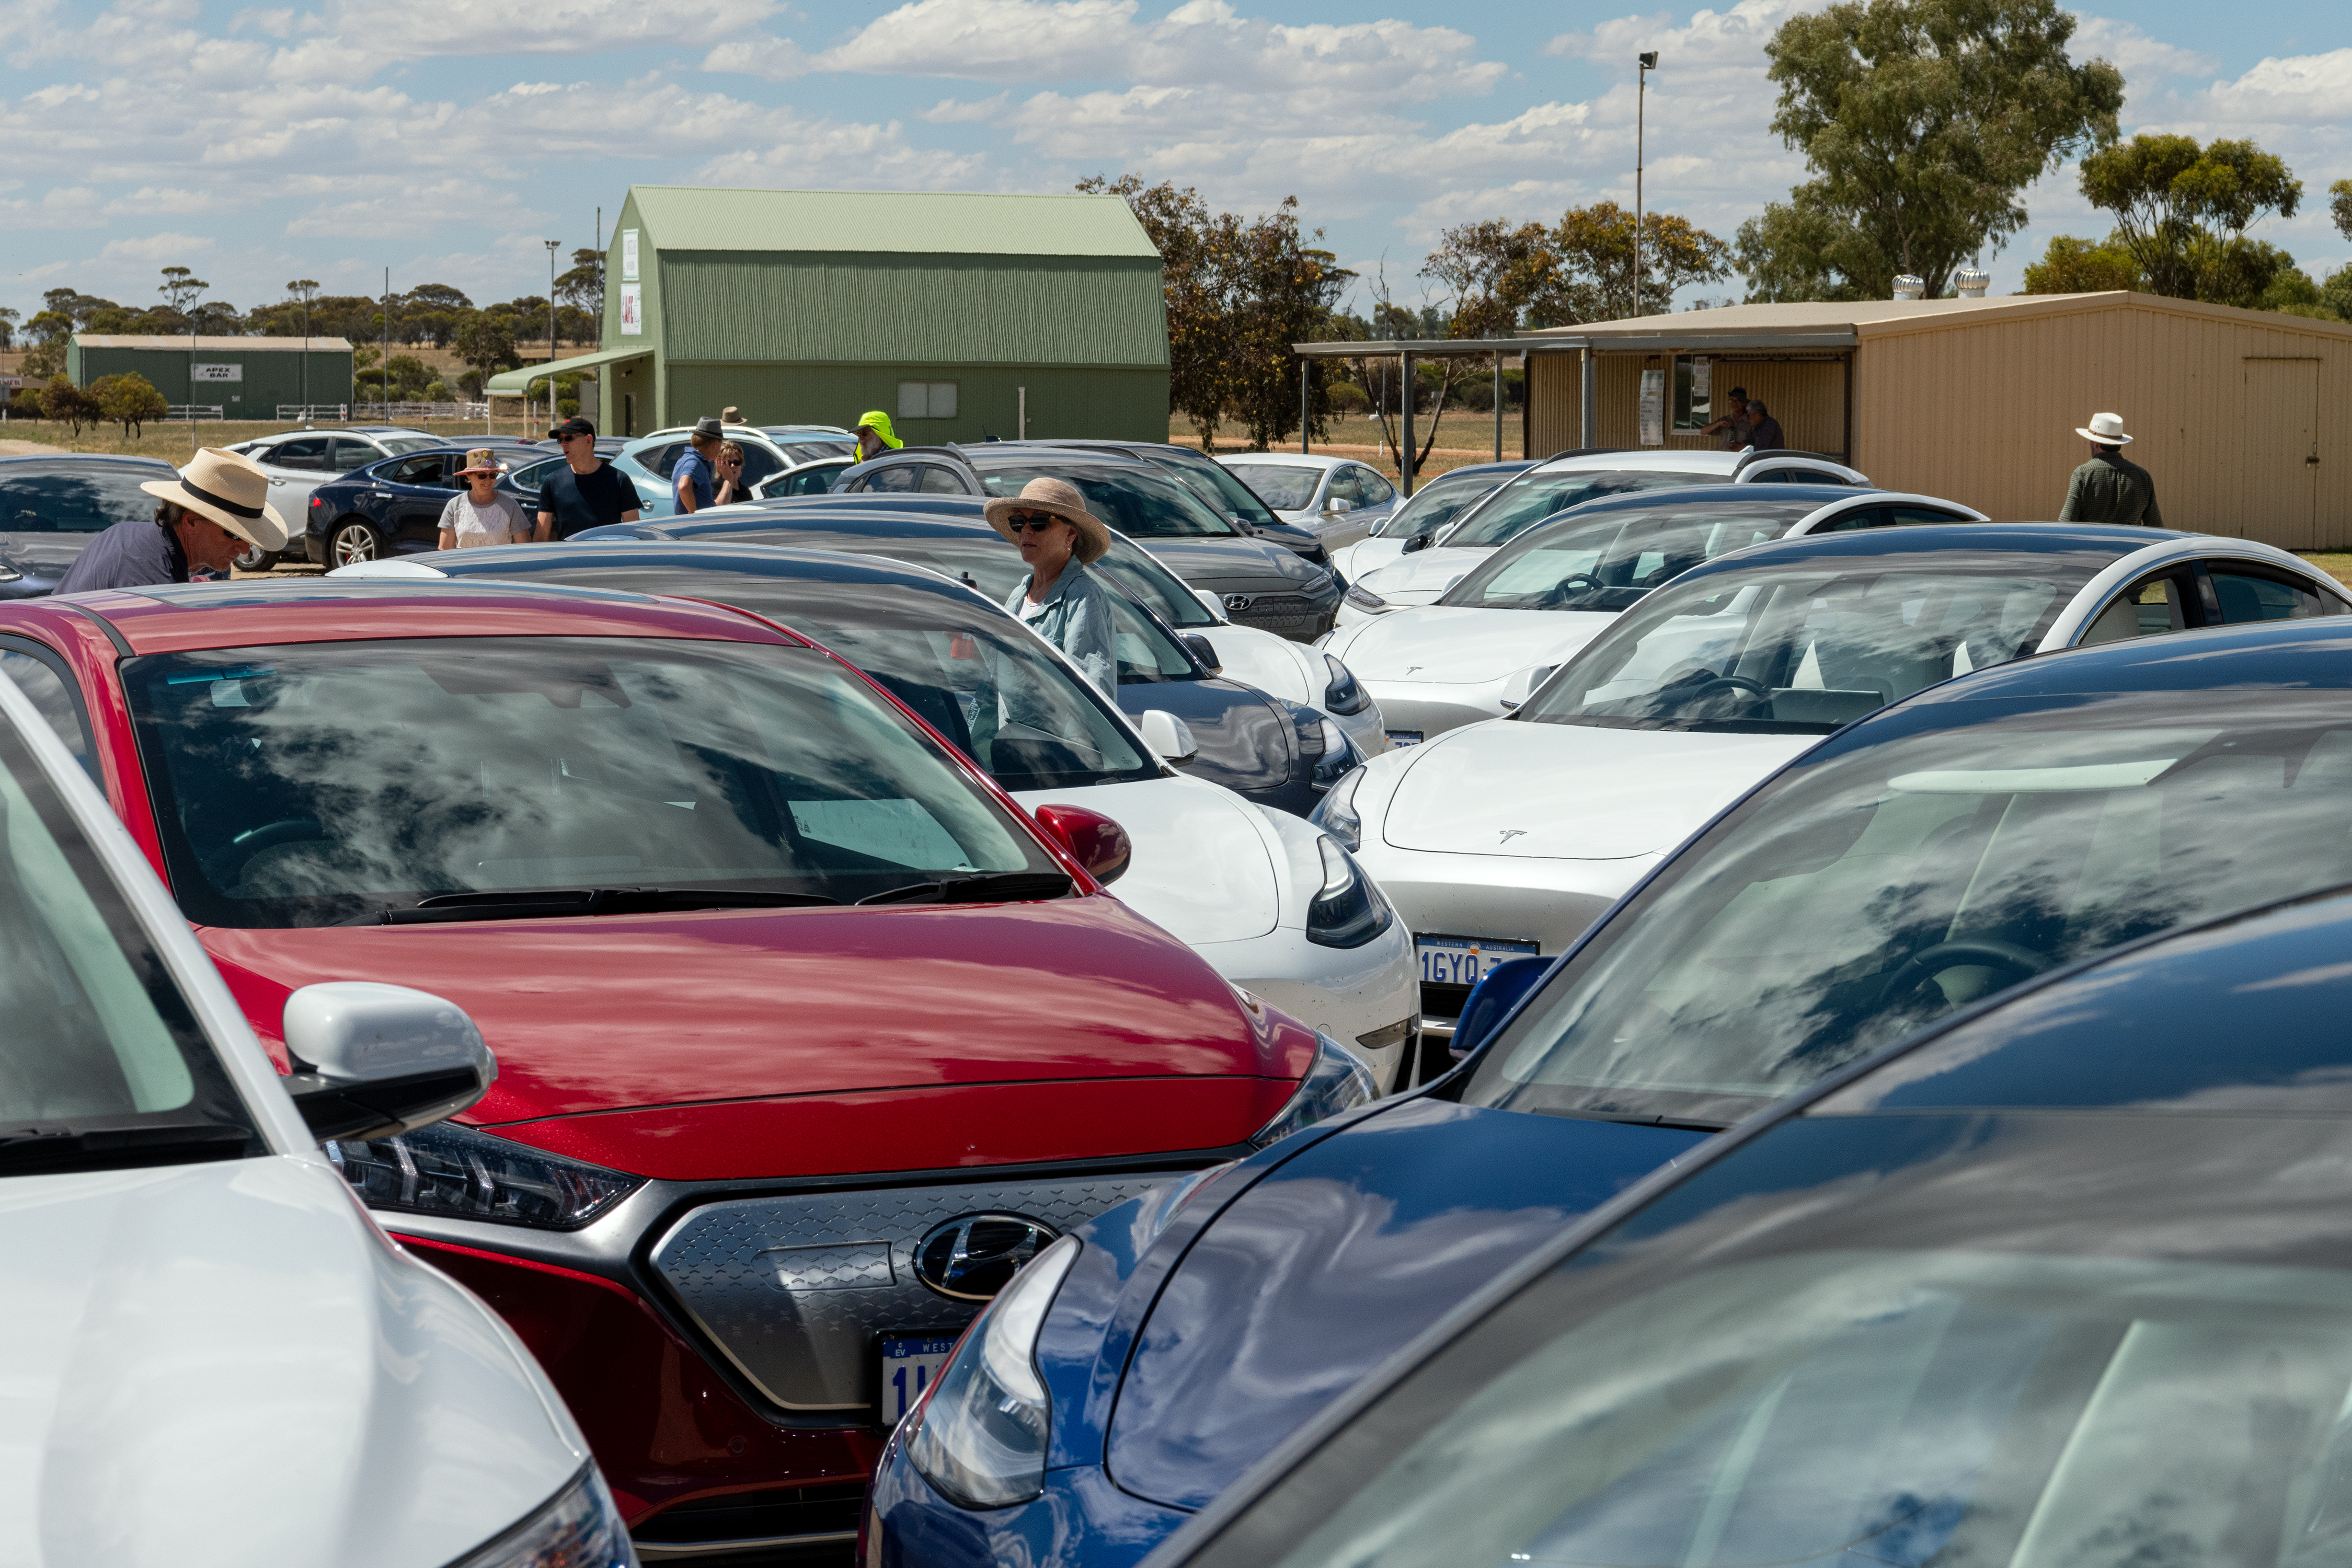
column 792, row 561
column 992, row 454
column 1502, row 470
column 1288, row 459
column 1724, row 496
column 101, row 459
column 2118, row 540
column 878, row 522
column 2316, row 653
column 177, row 617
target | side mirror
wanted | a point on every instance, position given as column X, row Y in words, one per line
column 1167, row 735
column 1337, row 504
column 1418, row 541
column 1093, row 840
column 1500, row 991
column 370, row 1060
column 1204, row 651
column 1522, row 686
column 1216, row 605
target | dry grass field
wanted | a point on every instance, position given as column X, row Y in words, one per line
column 1464, row 437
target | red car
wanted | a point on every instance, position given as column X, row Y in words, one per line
column 807, row 1035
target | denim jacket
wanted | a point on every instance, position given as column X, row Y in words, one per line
column 1077, row 620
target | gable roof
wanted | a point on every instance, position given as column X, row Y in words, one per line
column 1841, row 323
column 203, row 344
column 704, row 218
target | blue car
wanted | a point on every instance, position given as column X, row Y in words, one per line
column 2065, row 1282
column 393, row 507
column 1938, row 852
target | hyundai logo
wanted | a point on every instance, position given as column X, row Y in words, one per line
column 972, row 1258
column 1237, row 601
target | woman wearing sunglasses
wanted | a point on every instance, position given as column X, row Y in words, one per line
column 1058, row 540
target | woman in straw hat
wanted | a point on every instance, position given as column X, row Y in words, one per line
column 212, row 512
column 1059, row 539
column 478, row 515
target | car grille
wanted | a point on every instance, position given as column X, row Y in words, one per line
column 1290, row 615
column 793, row 1287
column 1443, row 1001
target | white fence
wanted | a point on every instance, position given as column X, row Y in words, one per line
column 396, row 410
column 195, row 410
column 307, row 410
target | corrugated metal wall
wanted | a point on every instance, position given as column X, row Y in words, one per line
column 1985, row 412
column 1807, row 396
column 1063, row 401
column 271, row 376
column 1555, row 403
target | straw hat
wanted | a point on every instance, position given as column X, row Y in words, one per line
column 481, row 461
column 229, row 489
column 2106, row 428
column 1060, row 498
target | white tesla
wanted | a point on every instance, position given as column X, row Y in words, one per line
column 1508, row 837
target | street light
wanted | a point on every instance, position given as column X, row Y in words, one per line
column 1641, row 93
column 551, row 332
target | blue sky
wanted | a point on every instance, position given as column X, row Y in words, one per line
column 447, row 139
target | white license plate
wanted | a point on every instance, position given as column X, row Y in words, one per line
column 1403, row 737
column 910, row 1364
column 1464, row 960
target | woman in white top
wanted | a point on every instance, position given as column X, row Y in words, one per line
column 478, row 515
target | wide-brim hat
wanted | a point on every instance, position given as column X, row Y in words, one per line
column 480, row 461
column 1060, row 498
column 230, row 489
column 2106, row 428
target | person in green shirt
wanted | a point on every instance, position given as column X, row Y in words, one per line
column 2110, row 488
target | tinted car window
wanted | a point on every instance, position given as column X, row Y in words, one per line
column 429, row 470
column 1905, row 513
column 49, row 690
column 662, row 459
column 308, row 453
column 80, row 499
column 816, row 479
column 1611, row 559
column 1531, row 497
column 1378, row 492
column 2166, row 602
column 1436, row 503
column 1282, row 486
column 939, row 481
column 1138, row 503
column 350, row 454
column 2250, row 593
column 535, row 477
column 896, row 479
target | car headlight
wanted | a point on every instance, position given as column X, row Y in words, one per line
column 1363, row 598
column 9, row 573
column 1339, row 755
column 1345, row 695
column 1336, row 812
column 980, row 1436
column 1336, row 1082
column 1347, row 910
column 579, row 1529
column 451, row 1170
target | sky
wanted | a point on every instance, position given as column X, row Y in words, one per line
column 447, row 140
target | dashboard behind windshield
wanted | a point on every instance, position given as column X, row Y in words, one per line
column 1611, row 559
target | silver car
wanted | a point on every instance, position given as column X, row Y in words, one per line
column 1337, row 500
column 299, row 461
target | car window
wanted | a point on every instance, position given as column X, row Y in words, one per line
column 941, row 481
column 396, row 444
column 1533, row 496
column 78, row 499
column 1377, row 491
column 308, row 453
column 803, row 448
column 1856, row 519
column 1347, row 485
column 2162, row 602
column 894, row 478
column 1140, row 502
column 427, row 469
column 1906, row 514
column 662, row 459
column 534, row 477
column 350, row 452
column 1436, row 503
column 759, row 462
column 816, row 479
column 1286, row 487
column 42, row 676
column 2248, row 593
column 1611, row 559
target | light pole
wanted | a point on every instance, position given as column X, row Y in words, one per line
column 305, row 289
column 551, row 332
column 1640, row 96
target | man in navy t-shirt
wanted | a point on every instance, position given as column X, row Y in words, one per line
column 587, row 492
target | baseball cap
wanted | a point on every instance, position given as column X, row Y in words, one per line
column 575, row 425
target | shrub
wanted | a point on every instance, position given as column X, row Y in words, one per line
column 567, row 406
column 129, row 400
column 1347, row 397
column 67, row 404
column 438, row 391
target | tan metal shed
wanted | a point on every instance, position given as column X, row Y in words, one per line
column 1977, row 400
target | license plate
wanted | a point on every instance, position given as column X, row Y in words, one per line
column 1464, row 960
column 1402, row 737
column 910, row 1364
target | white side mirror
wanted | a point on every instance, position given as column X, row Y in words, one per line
column 1168, row 735
column 373, row 1059
column 1338, row 503
column 1517, row 689
column 1216, row 605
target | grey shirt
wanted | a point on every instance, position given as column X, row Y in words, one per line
column 135, row 554
column 1077, row 620
column 2111, row 489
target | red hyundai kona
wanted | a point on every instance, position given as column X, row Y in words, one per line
column 807, row 1036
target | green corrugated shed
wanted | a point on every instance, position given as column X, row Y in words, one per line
column 248, row 378
column 814, row 306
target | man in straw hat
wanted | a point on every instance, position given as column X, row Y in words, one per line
column 2108, row 488
column 216, row 507
column 1059, row 539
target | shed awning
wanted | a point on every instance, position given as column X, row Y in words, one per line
column 517, row 384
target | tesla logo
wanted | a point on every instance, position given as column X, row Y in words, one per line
column 1411, row 668
column 972, row 1258
column 1510, row 833
column 1237, row 601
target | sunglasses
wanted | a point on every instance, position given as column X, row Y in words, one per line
column 1034, row 522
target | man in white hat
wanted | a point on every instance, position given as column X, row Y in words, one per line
column 2108, row 488
column 215, row 509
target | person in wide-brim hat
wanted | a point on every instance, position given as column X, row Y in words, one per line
column 212, row 512
column 1059, row 599
column 232, row 490
column 2104, row 430
column 1061, row 499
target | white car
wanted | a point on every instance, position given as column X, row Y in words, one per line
column 299, row 461
column 1426, row 512
column 1508, row 838
column 213, row 1356
column 1521, row 609
column 1275, row 905
column 1420, row 574
column 1338, row 500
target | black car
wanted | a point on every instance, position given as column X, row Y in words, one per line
column 1279, row 754
column 1214, row 482
column 1262, row 583
column 54, row 504
column 393, row 507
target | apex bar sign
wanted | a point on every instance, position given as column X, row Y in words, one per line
column 217, row 373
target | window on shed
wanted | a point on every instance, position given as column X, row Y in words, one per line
column 927, row 399
column 1694, row 392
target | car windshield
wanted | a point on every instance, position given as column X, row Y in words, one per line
column 102, row 1063
column 1859, row 897
column 1810, row 645
column 2030, row 1340
column 1217, row 484
column 311, row 783
column 1528, row 500
column 1284, row 487
column 976, row 675
column 397, row 444
column 1436, row 503
column 1610, row 560
column 1135, row 501
column 82, row 498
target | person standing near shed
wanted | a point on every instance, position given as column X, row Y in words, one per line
column 2110, row 488
column 874, row 435
column 693, row 479
column 1733, row 426
column 585, row 493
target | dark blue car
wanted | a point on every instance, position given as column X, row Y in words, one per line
column 393, row 507
column 1940, row 852
column 2066, row 1283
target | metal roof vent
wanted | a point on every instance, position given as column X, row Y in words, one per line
column 1908, row 286
column 1971, row 283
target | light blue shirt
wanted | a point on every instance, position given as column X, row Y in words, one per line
column 1077, row 620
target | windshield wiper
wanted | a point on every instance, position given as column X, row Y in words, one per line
column 41, row 1147
column 564, row 902
column 982, row 887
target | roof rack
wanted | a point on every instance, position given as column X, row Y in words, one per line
column 1753, row 456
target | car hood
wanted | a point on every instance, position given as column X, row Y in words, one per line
column 1364, row 556
column 1202, row 870
column 1238, row 565
column 1572, row 792
column 1447, row 646
column 43, row 554
column 1246, row 741
column 226, row 1363
column 1426, row 571
column 1333, row 1261
column 617, row 1012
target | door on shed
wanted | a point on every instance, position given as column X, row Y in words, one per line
column 2279, row 489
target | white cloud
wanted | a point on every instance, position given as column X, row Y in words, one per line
column 168, row 249
column 2123, row 44
column 2302, row 91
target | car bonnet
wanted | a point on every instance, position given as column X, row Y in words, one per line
column 1449, row 645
